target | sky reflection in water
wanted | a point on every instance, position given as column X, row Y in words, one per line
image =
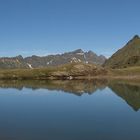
column 69, row 110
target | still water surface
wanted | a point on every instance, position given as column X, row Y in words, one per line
column 69, row 110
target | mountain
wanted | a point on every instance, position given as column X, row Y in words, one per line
column 128, row 56
column 69, row 57
column 13, row 62
column 76, row 56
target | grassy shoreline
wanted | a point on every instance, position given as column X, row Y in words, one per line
column 71, row 72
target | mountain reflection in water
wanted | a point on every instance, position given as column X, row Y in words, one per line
column 76, row 87
column 130, row 92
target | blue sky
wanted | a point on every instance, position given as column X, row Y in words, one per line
column 44, row 27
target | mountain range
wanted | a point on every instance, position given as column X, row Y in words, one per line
column 77, row 56
column 127, row 56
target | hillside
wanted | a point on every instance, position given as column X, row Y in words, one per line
column 67, row 71
column 128, row 56
column 71, row 71
column 77, row 56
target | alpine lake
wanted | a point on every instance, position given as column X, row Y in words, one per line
column 69, row 110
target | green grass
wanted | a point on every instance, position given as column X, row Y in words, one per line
column 24, row 73
column 64, row 71
column 43, row 73
column 130, row 71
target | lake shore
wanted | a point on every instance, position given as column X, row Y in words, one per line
column 71, row 72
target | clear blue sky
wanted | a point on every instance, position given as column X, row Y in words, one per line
column 42, row 27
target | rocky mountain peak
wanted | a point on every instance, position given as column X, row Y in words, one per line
column 19, row 57
column 136, row 37
column 91, row 53
column 78, row 51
